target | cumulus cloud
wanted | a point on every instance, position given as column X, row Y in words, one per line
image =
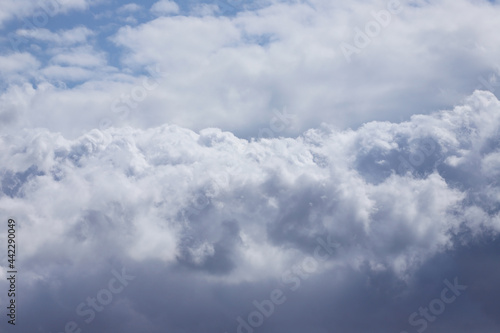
column 232, row 215
column 230, row 72
column 20, row 63
column 289, row 54
column 185, row 164
column 129, row 8
column 164, row 7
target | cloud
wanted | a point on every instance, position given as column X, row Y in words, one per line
column 222, row 156
column 67, row 73
column 289, row 55
column 68, row 37
column 18, row 63
column 130, row 7
column 226, row 213
column 164, row 7
column 79, row 56
column 38, row 12
column 17, row 68
column 232, row 71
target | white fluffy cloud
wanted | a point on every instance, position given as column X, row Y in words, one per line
column 231, row 72
column 289, row 54
column 137, row 146
column 383, row 185
column 165, row 7
column 18, row 64
column 232, row 211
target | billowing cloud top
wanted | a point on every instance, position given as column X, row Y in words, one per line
column 182, row 209
column 268, row 166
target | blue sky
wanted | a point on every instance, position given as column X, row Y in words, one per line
column 252, row 166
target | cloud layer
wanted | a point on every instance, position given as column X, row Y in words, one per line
column 264, row 166
column 209, row 222
column 230, row 72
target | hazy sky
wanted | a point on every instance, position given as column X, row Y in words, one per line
column 251, row 166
